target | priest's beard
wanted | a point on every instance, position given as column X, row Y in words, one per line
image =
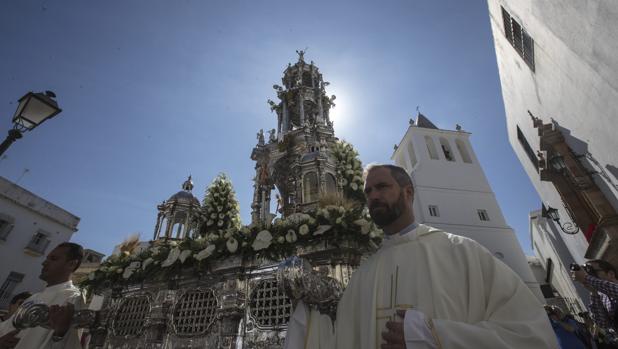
column 383, row 214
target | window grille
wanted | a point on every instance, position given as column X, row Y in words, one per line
column 483, row 215
column 433, row 211
column 131, row 315
column 270, row 307
column 519, row 38
column 194, row 312
column 6, row 290
column 38, row 243
column 5, row 229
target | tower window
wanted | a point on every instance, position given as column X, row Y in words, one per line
column 446, row 149
column 463, row 151
column 519, row 38
column 483, row 215
column 433, row 211
column 527, row 148
column 431, row 148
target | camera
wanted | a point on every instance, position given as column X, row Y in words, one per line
column 587, row 268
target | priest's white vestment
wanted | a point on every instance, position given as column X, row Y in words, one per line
column 470, row 299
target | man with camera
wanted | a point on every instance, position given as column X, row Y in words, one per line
column 599, row 277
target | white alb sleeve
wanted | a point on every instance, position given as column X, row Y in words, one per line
column 416, row 331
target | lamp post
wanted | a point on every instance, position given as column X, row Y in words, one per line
column 33, row 110
column 552, row 213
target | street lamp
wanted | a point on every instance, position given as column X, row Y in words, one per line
column 552, row 213
column 33, row 110
column 557, row 163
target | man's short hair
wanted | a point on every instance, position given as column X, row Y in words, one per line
column 399, row 174
column 74, row 252
column 20, row 297
column 604, row 265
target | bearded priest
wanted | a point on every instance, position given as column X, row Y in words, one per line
column 425, row 288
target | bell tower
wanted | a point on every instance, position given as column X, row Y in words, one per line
column 295, row 158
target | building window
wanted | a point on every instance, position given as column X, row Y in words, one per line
column 5, row 228
column 411, row 154
column 6, row 290
column 483, row 215
column 446, row 149
column 39, row 243
column 519, row 38
column 463, row 151
column 527, row 148
column 431, row 148
column 331, row 183
column 433, row 211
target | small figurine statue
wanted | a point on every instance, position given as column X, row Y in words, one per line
column 301, row 55
column 272, row 138
column 458, row 127
column 260, row 137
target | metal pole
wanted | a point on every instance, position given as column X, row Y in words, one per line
column 12, row 137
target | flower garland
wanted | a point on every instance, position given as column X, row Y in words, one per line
column 163, row 259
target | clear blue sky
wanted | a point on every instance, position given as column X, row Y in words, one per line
column 155, row 90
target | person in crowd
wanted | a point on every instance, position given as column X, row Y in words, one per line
column 425, row 288
column 568, row 331
column 61, row 297
column 16, row 301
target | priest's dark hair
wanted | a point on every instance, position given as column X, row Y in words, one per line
column 399, row 174
column 74, row 252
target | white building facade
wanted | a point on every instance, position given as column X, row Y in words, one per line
column 558, row 65
column 453, row 194
column 554, row 258
column 30, row 227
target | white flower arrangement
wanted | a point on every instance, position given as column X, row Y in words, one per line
column 280, row 239
column 263, row 239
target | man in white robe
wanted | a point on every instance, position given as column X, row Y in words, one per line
column 62, row 297
column 425, row 288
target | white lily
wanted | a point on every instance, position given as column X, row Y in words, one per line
column 171, row 257
column 205, row 253
column 303, row 229
column 184, row 255
column 232, row 245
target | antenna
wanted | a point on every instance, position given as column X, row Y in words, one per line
column 22, row 175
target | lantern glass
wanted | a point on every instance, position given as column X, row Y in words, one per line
column 34, row 109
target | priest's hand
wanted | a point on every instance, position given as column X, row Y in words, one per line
column 9, row 340
column 394, row 336
column 60, row 318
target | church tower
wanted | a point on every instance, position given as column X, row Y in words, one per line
column 295, row 159
column 453, row 194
